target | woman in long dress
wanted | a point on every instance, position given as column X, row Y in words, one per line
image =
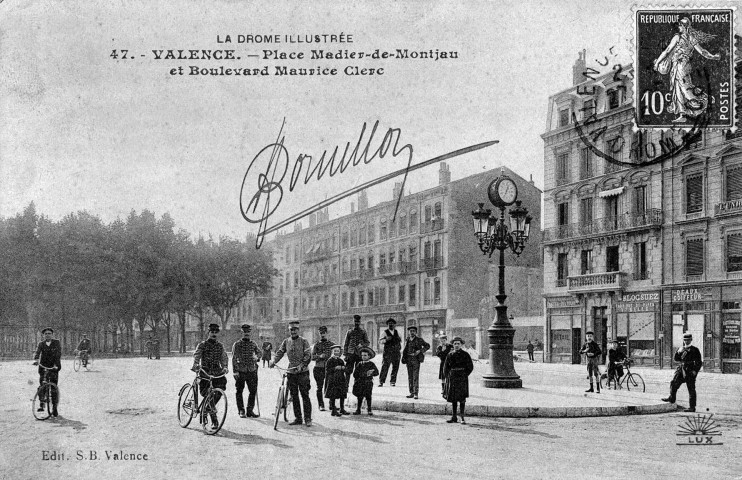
column 687, row 98
column 457, row 368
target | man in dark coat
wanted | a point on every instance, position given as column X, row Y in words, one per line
column 245, row 354
column 363, row 383
column 211, row 356
column 49, row 354
column 355, row 339
column 335, row 386
column 392, row 352
column 691, row 362
column 530, row 351
column 592, row 351
column 442, row 351
column 412, row 356
column 456, row 368
column 321, row 352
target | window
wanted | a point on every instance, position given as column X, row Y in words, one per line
column 288, row 254
column 352, row 299
column 437, row 254
column 345, row 239
column 392, row 294
column 586, row 163
column 413, row 254
column 694, row 257
column 353, row 264
column 426, row 292
column 382, row 296
column 562, row 269
column 362, row 234
column 428, row 213
column 345, row 264
column 296, row 307
column 437, row 290
column 734, row 183
column 353, row 237
column 611, row 259
column 562, row 168
column 586, row 211
column 401, row 297
column 288, row 307
column 296, row 279
column 563, row 117
column 403, row 224
column 640, row 261
column 296, row 253
column 371, row 232
column 694, row 193
column 563, row 213
column 611, row 212
column 288, row 281
column 391, row 255
column 613, row 97
column 326, row 302
column 427, row 250
column 392, row 228
column 334, row 242
column 413, row 294
column 370, row 296
column 361, row 263
column 370, row 261
column 614, row 148
column 413, row 221
column 401, row 257
column 334, row 300
column 382, row 261
column 588, row 108
column 734, row 252
column 437, row 211
column 640, row 200
column 361, row 298
column 382, row 229
column 586, row 262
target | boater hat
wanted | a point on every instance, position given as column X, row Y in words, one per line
column 457, row 339
column 590, row 332
column 214, row 327
column 50, row 329
column 336, row 346
column 688, row 335
column 371, row 353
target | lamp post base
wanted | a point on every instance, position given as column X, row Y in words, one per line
column 491, row 380
column 502, row 371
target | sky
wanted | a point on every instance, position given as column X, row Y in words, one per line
column 80, row 130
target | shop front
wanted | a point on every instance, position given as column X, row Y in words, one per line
column 731, row 319
column 637, row 318
column 563, row 330
column 695, row 310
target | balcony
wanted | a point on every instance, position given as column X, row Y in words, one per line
column 432, row 263
column 373, row 309
column 358, row 275
column 397, row 268
column 650, row 218
column 319, row 312
column 597, row 282
column 321, row 281
column 317, row 253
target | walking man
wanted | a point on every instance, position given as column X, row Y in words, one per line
column 530, row 351
column 245, row 354
column 691, row 362
column 355, row 340
column 299, row 353
column 412, row 356
column 321, row 352
column 392, row 352
column 49, row 354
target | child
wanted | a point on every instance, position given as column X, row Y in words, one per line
column 335, row 386
column 592, row 351
column 456, row 370
column 363, row 375
column 615, row 364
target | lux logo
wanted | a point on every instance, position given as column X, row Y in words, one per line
column 699, row 430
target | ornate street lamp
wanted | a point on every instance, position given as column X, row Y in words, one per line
column 492, row 234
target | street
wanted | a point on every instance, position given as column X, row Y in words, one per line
column 125, row 407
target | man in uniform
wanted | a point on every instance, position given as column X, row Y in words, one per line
column 355, row 340
column 321, row 351
column 691, row 362
column 299, row 353
column 593, row 352
column 49, row 354
column 84, row 349
column 413, row 355
column 392, row 352
column 245, row 354
column 211, row 356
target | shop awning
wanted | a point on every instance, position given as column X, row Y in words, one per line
column 612, row 192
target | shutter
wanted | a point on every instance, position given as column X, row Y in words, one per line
column 734, row 183
column 734, row 253
column 694, row 194
column 694, row 257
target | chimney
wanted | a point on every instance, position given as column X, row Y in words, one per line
column 312, row 220
column 444, row 174
column 579, row 68
column 362, row 200
column 531, row 180
column 352, row 207
column 297, row 227
column 397, row 191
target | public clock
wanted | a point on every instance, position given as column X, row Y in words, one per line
column 502, row 191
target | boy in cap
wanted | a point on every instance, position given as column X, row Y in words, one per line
column 363, row 384
column 691, row 361
column 412, row 356
column 335, row 386
column 245, row 354
column 299, row 352
column 592, row 351
column 321, row 351
column 49, row 354
column 392, row 352
column 211, row 357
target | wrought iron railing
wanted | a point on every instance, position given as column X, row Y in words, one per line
column 648, row 218
column 597, row 281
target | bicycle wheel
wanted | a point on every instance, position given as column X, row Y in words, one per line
column 89, row 362
column 186, row 405
column 215, row 407
column 287, row 405
column 41, row 405
column 634, row 381
column 279, row 405
column 77, row 363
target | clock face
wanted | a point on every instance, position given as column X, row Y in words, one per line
column 507, row 191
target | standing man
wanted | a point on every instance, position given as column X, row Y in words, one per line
column 299, row 353
column 84, row 348
column 49, row 354
column 245, row 354
column 211, row 356
column 592, row 351
column 530, row 351
column 691, row 362
column 392, row 352
column 413, row 355
column 321, row 351
column 355, row 340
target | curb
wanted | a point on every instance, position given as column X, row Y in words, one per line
column 525, row 412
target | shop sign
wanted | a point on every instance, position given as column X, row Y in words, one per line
column 688, row 294
column 728, row 207
column 562, row 302
column 638, row 302
column 731, row 331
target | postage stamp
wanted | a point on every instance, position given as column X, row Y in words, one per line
column 684, row 67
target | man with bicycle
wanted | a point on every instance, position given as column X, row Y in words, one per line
column 49, row 354
column 616, row 358
column 245, row 354
column 84, row 348
column 211, row 356
column 299, row 353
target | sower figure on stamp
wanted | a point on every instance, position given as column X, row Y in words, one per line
column 299, row 352
column 392, row 352
column 363, row 384
column 593, row 352
column 412, row 356
column 321, row 352
column 442, row 351
column 355, row 339
column 49, row 354
column 456, row 370
column 335, row 386
column 211, row 356
column 245, row 354
column 691, row 362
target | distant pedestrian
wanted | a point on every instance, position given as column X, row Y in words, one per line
column 321, row 352
column 299, row 353
column 392, row 354
column 267, row 351
column 592, row 351
column 335, row 386
column 412, row 356
column 363, row 383
column 442, row 351
column 245, row 354
column 691, row 363
column 530, row 351
column 355, row 339
column 456, row 369
column 84, row 348
column 150, row 347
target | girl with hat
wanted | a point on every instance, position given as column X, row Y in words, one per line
column 335, row 386
column 456, row 369
column 363, row 383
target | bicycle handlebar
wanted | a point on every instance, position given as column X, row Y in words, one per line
column 45, row 368
column 211, row 377
column 285, row 369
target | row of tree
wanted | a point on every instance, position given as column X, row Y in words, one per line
column 79, row 274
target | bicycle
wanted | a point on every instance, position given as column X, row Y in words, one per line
column 631, row 380
column 283, row 400
column 42, row 404
column 83, row 358
column 213, row 404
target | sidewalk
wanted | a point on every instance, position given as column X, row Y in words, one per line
column 549, row 390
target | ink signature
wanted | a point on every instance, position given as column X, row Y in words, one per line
column 270, row 167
